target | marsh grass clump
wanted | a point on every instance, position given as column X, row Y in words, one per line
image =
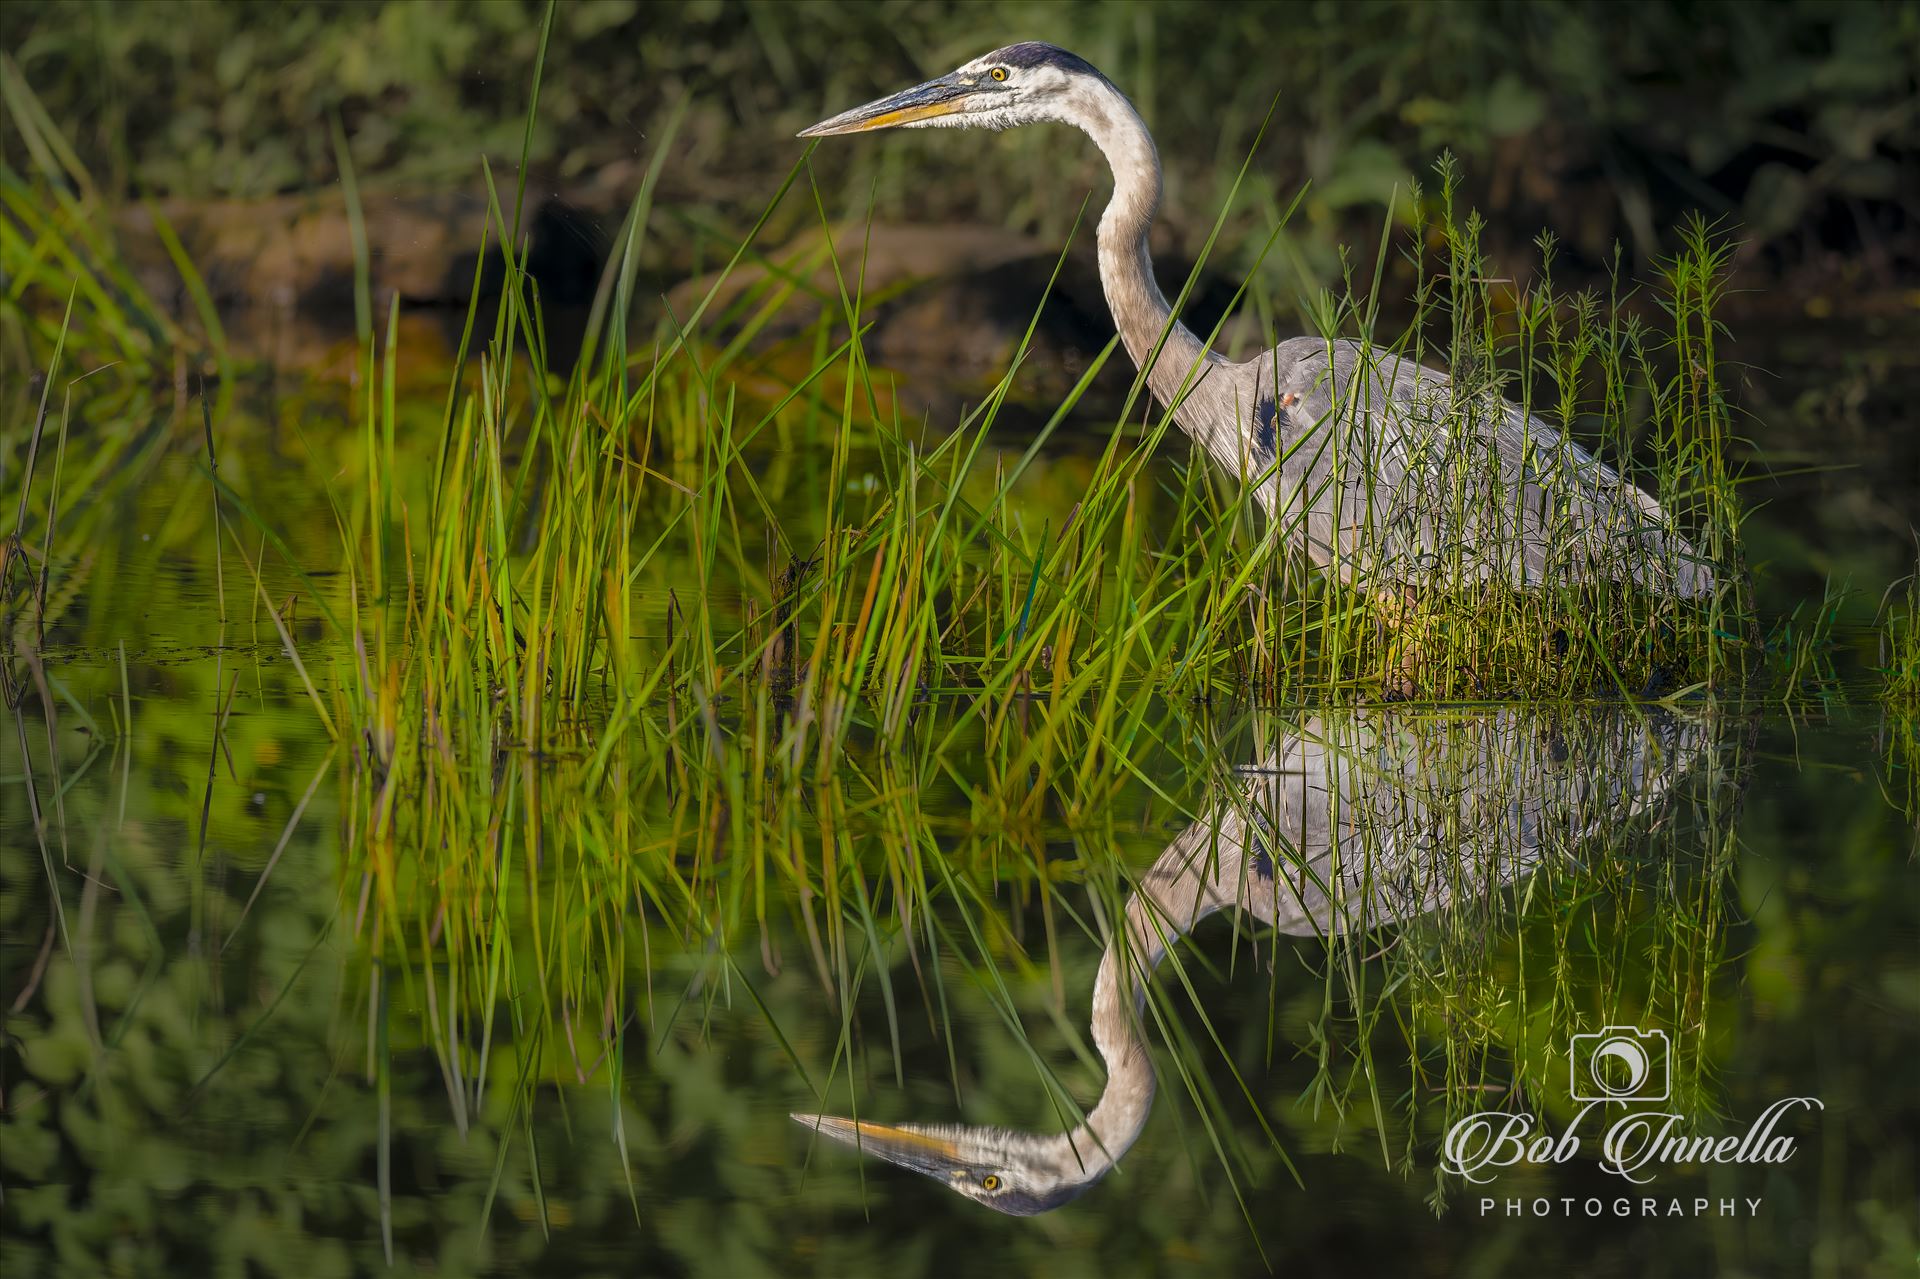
column 1898, row 642
column 649, row 532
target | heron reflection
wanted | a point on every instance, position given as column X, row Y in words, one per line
column 1353, row 821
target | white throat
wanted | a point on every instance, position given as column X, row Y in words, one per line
column 1140, row 309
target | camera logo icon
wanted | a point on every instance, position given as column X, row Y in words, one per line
column 1621, row 1063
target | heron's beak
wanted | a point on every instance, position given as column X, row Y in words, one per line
column 939, row 97
column 922, row 1151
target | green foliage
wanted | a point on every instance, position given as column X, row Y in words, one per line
column 1606, row 123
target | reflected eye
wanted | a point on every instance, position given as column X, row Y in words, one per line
column 991, row 1182
column 998, row 73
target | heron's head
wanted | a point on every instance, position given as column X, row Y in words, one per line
column 1020, row 84
column 1012, row 1172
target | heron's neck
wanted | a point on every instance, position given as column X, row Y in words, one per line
column 1177, row 894
column 1140, row 310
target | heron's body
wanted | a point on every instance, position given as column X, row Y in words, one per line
column 1361, row 456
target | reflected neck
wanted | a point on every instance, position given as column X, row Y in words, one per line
column 1166, row 907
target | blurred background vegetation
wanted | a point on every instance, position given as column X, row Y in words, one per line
column 1798, row 123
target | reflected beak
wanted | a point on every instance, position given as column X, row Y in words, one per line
column 910, row 1147
column 944, row 96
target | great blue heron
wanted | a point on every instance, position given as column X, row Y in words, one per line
column 1356, row 821
column 1359, row 455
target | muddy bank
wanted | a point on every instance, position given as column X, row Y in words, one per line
column 951, row 300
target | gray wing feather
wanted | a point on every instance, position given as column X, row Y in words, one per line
column 1382, row 476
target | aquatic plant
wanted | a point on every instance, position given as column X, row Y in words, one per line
column 1898, row 642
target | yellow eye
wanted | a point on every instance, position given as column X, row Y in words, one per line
column 998, row 73
column 991, row 1182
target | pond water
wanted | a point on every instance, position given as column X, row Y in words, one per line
column 241, row 1042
